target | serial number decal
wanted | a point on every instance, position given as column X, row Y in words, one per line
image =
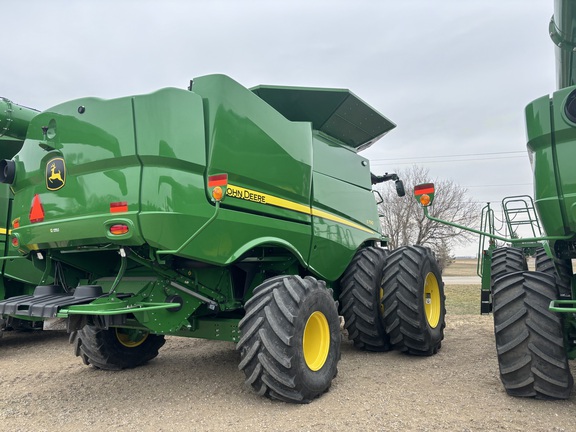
column 246, row 194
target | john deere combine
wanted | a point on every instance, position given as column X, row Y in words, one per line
column 17, row 276
column 535, row 311
column 222, row 213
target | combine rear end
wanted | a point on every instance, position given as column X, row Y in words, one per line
column 221, row 213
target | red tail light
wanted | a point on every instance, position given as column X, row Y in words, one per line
column 119, row 229
column 119, row 207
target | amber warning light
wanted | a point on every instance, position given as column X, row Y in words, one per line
column 119, row 229
column 424, row 194
column 218, row 182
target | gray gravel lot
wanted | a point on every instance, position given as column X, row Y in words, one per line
column 196, row 385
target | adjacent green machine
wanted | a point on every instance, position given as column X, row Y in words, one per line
column 220, row 212
column 17, row 276
column 535, row 311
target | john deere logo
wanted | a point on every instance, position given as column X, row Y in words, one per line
column 55, row 174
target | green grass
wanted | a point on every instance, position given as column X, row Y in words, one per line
column 462, row 299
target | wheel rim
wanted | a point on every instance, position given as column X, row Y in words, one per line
column 432, row 300
column 316, row 341
column 131, row 338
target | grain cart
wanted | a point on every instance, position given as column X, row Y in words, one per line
column 17, row 276
column 221, row 213
column 535, row 311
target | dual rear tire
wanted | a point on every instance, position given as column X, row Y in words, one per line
column 529, row 337
column 394, row 300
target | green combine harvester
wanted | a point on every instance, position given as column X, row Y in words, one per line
column 218, row 212
column 17, row 277
column 535, row 311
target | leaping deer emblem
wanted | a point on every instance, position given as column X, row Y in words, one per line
column 56, row 175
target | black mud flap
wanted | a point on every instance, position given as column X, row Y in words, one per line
column 485, row 302
column 47, row 300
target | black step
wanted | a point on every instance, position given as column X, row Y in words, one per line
column 47, row 300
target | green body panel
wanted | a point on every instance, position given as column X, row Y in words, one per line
column 344, row 194
column 9, row 147
column 14, row 120
column 543, row 156
column 19, row 276
column 551, row 137
column 297, row 198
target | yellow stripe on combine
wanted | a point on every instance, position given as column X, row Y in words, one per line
column 262, row 198
column 5, row 231
column 325, row 215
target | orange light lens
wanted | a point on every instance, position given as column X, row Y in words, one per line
column 119, row 229
column 217, row 193
column 425, row 200
column 16, row 223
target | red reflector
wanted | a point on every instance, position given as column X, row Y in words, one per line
column 217, row 180
column 422, row 189
column 119, row 229
column 118, row 207
column 15, row 242
column 16, row 223
column 37, row 211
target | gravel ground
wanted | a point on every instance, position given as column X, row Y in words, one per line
column 196, row 385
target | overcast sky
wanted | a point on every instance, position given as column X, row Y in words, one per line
column 454, row 75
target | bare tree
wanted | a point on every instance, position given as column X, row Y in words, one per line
column 403, row 219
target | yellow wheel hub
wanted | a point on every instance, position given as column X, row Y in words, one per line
column 131, row 338
column 316, row 341
column 432, row 301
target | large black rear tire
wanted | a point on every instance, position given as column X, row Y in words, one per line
column 290, row 339
column 560, row 269
column 529, row 337
column 361, row 300
column 414, row 301
column 115, row 348
column 506, row 260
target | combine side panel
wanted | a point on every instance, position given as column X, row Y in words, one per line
column 565, row 155
column 170, row 142
column 268, row 162
column 344, row 211
column 543, row 149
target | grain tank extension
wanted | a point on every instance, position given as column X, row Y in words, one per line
column 223, row 213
